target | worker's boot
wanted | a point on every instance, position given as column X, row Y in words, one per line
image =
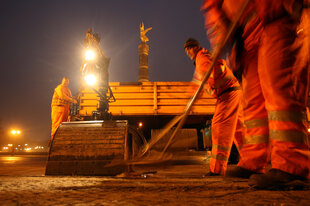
column 211, row 174
column 276, row 179
column 239, row 172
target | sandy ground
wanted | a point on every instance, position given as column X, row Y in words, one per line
column 165, row 185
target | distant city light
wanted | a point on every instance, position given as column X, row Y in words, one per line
column 140, row 124
column 22, row 148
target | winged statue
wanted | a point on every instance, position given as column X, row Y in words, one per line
column 143, row 32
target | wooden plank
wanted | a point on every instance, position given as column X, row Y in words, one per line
column 160, row 102
column 88, row 141
column 149, row 110
column 149, row 98
column 175, row 110
column 150, row 95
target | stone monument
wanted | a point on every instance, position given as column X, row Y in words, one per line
column 143, row 49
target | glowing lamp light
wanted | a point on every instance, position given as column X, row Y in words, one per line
column 90, row 79
column 140, row 124
column 15, row 132
column 308, row 129
column 90, row 55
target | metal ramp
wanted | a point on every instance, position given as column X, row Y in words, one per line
column 85, row 147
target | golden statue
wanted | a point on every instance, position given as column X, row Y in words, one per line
column 143, row 32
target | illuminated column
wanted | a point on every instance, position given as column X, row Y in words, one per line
column 143, row 62
column 143, row 49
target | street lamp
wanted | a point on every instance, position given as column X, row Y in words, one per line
column 90, row 79
column 15, row 133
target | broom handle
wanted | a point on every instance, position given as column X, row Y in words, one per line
column 182, row 117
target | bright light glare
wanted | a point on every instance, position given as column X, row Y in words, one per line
column 140, row 124
column 308, row 129
column 90, row 79
column 15, row 132
column 90, row 55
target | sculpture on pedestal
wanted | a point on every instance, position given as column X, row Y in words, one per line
column 143, row 49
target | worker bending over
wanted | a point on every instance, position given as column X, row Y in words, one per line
column 226, row 123
column 61, row 104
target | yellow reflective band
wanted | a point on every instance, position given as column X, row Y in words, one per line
column 256, row 139
column 58, row 101
column 288, row 136
column 219, row 157
column 220, row 147
column 256, row 123
column 287, row 116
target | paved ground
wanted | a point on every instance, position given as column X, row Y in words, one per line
column 22, row 182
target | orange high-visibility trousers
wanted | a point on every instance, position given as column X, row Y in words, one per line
column 275, row 92
column 254, row 151
column 284, row 72
column 59, row 114
column 226, row 128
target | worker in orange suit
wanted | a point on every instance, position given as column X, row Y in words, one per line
column 61, row 104
column 273, row 54
column 226, row 125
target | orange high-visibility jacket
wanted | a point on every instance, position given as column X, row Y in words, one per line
column 227, row 121
column 221, row 78
column 62, row 96
column 61, row 103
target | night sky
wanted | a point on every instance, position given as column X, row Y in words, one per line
column 41, row 41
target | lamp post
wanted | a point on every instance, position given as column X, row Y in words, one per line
column 15, row 133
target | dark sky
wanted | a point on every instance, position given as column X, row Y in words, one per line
column 41, row 41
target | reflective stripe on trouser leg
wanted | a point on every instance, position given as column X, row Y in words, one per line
column 255, row 149
column 223, row 130
column 284, row 72
column 240, row 130
column 287, row 133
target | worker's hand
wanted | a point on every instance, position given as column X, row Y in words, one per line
column 74, row 101
column 217, row 34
